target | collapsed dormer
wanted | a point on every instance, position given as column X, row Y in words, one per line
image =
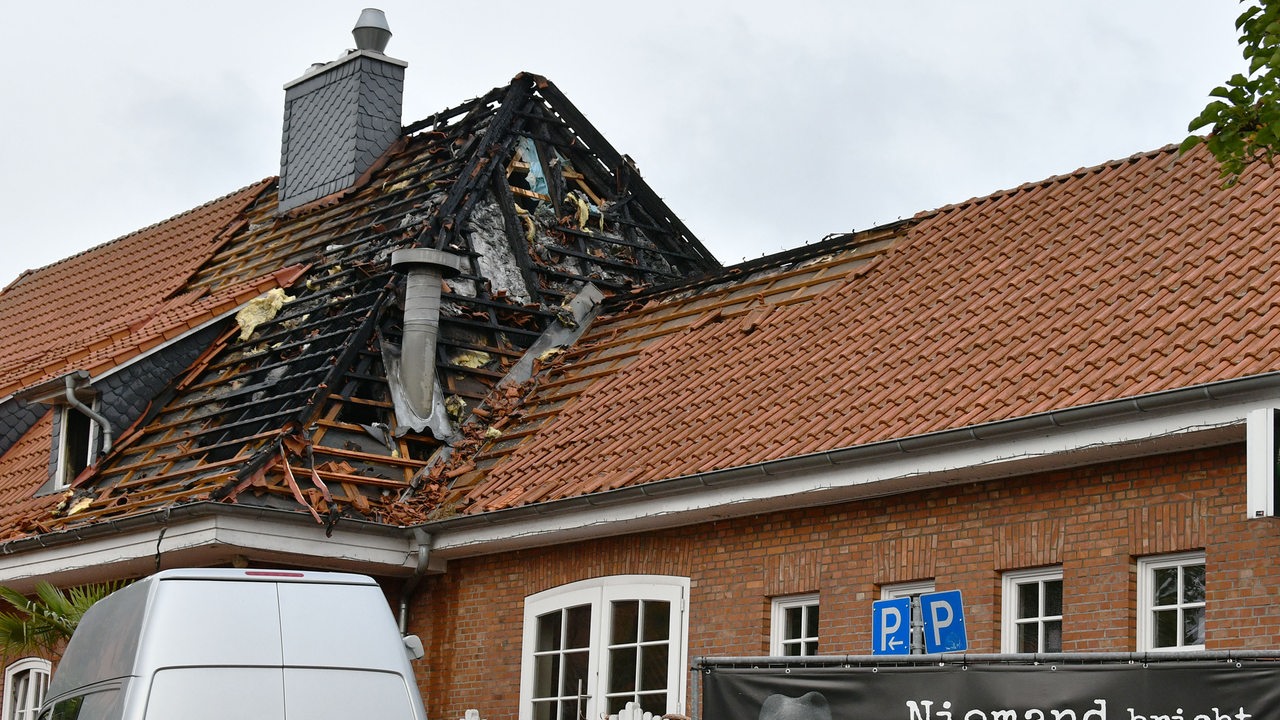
column 403, row 275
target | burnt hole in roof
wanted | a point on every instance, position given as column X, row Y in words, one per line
column 517, row 183
column 357, row 413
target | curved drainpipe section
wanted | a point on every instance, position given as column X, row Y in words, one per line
column 103, row 423
column 425, row 268
column 425, row 541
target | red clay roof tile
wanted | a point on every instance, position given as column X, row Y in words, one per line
column 24, row 468
column 49, row 328
column 1138, row 276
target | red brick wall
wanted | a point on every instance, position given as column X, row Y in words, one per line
column 1093, row 521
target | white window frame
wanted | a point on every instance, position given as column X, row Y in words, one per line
column 599, row 593
column 28, row 674
column 911, row 590
column 1146, row 607
column 778, row 640
column 1009, row 620
column 64, row 474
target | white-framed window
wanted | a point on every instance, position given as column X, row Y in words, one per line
column 911, row 590
column 1171, row 593
column 593, row 646
column 25, row 683
column 794, row 627
column 78, row 440
column 1031, row 621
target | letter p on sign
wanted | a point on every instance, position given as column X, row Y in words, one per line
column 943, row 615
column 891, row 626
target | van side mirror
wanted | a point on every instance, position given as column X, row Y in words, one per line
column 413, row 647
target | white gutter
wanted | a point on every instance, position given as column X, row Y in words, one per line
column 1199, row 416
column 209, row 532
column 133, row 360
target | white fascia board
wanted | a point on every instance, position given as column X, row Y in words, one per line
column 203, row 539
column 824, row 479
column 295, row 539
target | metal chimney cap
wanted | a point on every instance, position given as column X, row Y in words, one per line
column 371, row 31
column 406, row 259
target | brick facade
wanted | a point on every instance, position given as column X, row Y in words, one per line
column 1093, row 521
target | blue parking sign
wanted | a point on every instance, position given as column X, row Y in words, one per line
column 943, row 617
column 892, row 626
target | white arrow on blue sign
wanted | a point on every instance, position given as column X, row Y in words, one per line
column 892, row 631
column 943, row 616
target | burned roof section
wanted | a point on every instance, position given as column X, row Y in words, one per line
column 291, row 406
column 1138, row 277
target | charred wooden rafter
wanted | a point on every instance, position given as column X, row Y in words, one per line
column 299, row 414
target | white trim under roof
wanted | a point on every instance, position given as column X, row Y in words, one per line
column 201, row 535
column 210, row 533
column 1188, row 418
column 56, row 384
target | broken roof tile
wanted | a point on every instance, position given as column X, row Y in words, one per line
column 271, row 419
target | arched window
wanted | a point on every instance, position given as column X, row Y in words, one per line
column 592, row 647
column 25, row 683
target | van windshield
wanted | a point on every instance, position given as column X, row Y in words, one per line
column 105, row 644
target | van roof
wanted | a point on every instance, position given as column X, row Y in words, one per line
column 263, row 575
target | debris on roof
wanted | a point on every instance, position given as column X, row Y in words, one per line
column 278, row 412
column 1139, row 276
column 589, row 342
column 260, row 310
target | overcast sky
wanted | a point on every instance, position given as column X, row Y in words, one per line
column 764, row 125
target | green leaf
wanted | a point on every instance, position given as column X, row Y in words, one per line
column 1189, row 143
column 46, row 621
column 1213, row 112
column 1246, row 16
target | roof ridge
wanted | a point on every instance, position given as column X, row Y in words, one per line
column 1051, row 180
column 748, row 270
column 189, row 211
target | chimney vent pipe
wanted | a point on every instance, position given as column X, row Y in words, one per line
column 371, row 31
column 425, row 268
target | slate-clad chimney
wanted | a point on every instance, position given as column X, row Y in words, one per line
column 340, row 117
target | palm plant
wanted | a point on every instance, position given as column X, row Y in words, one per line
column 41, row 624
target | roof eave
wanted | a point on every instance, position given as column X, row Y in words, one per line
column 210, row 533
column 205, row 534
column 1197, row 416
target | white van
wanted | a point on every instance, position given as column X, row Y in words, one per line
column 219, row 644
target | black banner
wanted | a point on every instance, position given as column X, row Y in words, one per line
column 1157, row 691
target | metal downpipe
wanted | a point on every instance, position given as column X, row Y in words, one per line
column 101, row 421
column 425, row 541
